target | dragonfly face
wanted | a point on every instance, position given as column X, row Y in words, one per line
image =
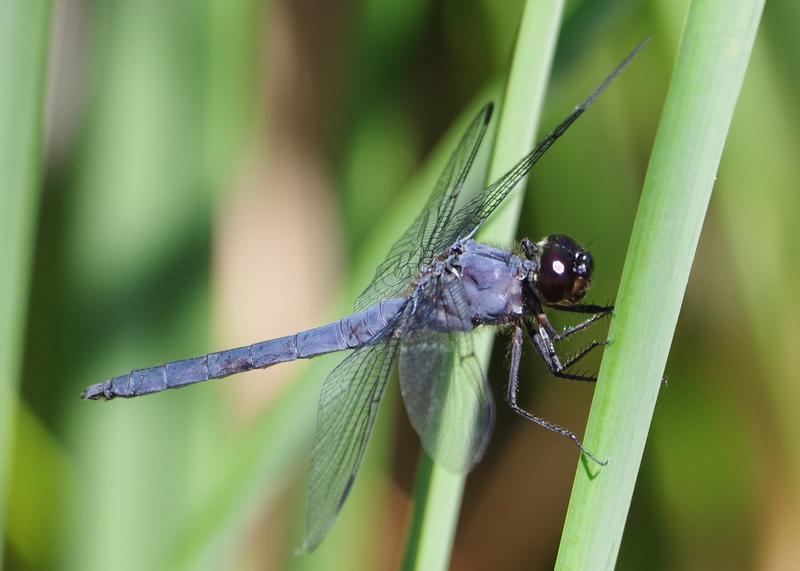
column 564, row 271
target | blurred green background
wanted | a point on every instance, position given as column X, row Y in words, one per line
column 225, row 171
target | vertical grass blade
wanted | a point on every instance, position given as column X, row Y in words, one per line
column 438, row 493
column 24, row 41
column 712, row 59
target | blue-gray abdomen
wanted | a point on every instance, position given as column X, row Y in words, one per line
column 347, row 333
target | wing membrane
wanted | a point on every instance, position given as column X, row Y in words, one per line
column 447, row 397
column 351, row 395
column 417, row 245
column 444, row 390
column 474, row 213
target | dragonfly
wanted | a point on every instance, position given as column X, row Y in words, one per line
column 437, row 285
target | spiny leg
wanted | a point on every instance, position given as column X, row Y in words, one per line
column 585, row 351
column 529, row 248
column 597, row 312
column 584, row 308
column 513, row 392
column 544, row 345
column 567, row 331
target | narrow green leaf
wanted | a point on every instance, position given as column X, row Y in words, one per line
column 715, row 48
column 438, row 493
column 24, row 42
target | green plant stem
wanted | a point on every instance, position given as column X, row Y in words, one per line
column 24, row 41
column 438, row 493
column 712, row 59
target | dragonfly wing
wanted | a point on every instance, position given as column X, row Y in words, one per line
column 349, row 402
column 416, row 246
column 444, row 389
column 447, row 397
column 466, row 221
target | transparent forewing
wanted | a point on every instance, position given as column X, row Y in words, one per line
column 469, row 218
column 417, row 244
column 348, row 406
column 444, row 389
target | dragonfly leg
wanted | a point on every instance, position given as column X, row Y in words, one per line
column 584, row 308
column 529, row 248
column 585, row 351
column 546, row 349
column 513, row 392
column 597, row 312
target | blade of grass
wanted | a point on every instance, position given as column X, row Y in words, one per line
column 438, row 493
column 715, row 48
column 24, row 41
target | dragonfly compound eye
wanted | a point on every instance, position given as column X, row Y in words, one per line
column 584, row 264
column 565, row 270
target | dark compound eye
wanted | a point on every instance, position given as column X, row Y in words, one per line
column 565, row 270
column 584, row 264
column 555, row 277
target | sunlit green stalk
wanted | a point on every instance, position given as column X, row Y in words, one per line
column 438, row 493
column 712, row 58
column 24, row 41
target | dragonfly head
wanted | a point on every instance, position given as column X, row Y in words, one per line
column 565, row 270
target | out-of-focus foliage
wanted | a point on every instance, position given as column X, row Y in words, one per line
column 24, row 41
column 222, row 171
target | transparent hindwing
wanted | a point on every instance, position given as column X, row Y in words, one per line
column 348, row 406
column 448, row 400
